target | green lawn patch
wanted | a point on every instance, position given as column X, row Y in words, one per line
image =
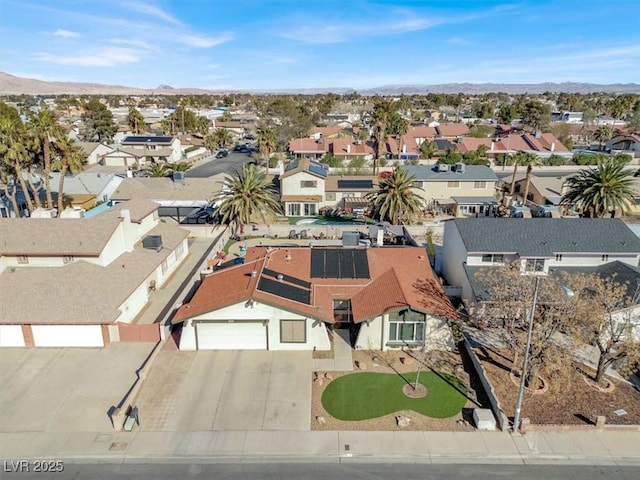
column 361, row 396
column 227, row 245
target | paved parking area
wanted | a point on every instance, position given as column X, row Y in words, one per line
column 65, row 389
column 227, row 391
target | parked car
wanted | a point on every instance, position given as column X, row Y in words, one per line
column 222, row 153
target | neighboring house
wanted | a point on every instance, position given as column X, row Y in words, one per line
column 236, row 128
column 292, row 298
column 543, row 145
column 625, row 144
column 94, row 151
column 462, row 190
column 302, row 187
column 542, row 246
column 153, row 148
column 97, row 186
column 123, row 158
column 324, row 132
column 543, row 190
column 348, row 192
column 74, row 282
column 343, row 148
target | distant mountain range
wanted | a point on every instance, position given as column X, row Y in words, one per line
column 12, row 85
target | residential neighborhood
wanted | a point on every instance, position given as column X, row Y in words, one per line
column 260, row 249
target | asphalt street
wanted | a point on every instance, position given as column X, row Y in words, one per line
column 213, row 166
column 361, row 471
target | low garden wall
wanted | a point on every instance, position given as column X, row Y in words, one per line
column 501, row 419
column 600, row 424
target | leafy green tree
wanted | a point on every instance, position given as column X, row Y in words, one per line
column 98, row 121
column 220, row 137
column 633, row 122
column 589, row 116
column 602, row 190
column 266, row 143
column 506, row 113
column 332, row 161
column 396, row 198
column 483, row 110
column 135, row 120
column 482, row 131
column 554, row 161
column 428, row 149
column 450, row 157
column 603, row 135
column 535, row 114
column 399, row 127
column 246, row 194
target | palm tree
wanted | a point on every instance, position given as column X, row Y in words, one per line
column 220, row 137
column 135, row 120
column 266, row 144
column 246, row 194
column 603, row 135
column 601, row 190
column 70, row 157
column 398, row 126
column 159, row 170
column 515, row 159
column 380, row 120
column 13, row 152
column 44, row 130
column 428, row 149
column 8, row 186
column 396, row 198
column 181, row 167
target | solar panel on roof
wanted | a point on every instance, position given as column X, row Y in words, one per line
column 284, row 290
column 331, row 263
column 286, row 278
column 356, row 184
column 318, row 170
column 361, row 264
column 146, row 139
column 339, row 263
column 317, row 263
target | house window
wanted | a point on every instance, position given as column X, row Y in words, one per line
column 308, row 184
column 330, row 196
column 493, row 258
column 406, row 326
column 605, row 258
column 558, row 257
column 535, row 265
column 23, row 259
column 348, row 195
column 479, row 184
column 293, row 209
column 453, row 184
column 310, row 209
column 67, row 259
column 179, row 251
column 164, row 266
column 293, row 331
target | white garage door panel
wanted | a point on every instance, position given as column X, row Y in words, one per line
column 11, row 336
column 67, row 335
column 232, row 336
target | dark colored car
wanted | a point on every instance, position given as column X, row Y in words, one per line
column 222, row 153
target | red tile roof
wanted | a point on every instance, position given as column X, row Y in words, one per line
column 400, row 277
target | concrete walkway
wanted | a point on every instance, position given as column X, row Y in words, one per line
column 342, row 360
column 589, row 448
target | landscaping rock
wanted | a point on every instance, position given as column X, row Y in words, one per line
column 319, row 381
column 361, row 365
column 328, row 376
column 403, row 421
column 320, row 420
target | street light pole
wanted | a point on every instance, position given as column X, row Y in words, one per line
column 525, row 361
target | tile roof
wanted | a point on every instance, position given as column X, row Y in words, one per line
column 307, row 145
column 84, row 182
column 428, row 173
column 315, row 168
column 326, row 132
column 346, row 146
column 400, row 277
column 452, row 129
column 56, row 236
column 544, row 237
column 81, row 292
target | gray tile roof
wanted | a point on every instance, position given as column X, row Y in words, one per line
column 55, row 236
column 427, row 173
column 81, row 292
column 85, row 182
column 138, row 209
column 544, row 237
column 192, row 188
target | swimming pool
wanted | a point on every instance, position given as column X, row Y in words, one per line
column 318, row 221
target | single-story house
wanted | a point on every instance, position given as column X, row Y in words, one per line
column 292, row 298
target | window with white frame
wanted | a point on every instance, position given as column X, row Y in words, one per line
column 310, row 209
column 293, row 331
column 493, row 258
column 308, row 184
column 534, row 265
column 406, row 327
column 293, row 209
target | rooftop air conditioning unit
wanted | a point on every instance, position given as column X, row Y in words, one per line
column 153, row 242
column 442, row 167
column 178, row 177
column 459, row 168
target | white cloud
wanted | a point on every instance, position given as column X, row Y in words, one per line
column 104, row 57
column 65, row 33
column 200, row 41
column 151, row 11
column 136, row 43
column 458, row 41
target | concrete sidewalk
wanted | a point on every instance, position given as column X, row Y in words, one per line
column 342, row 360
column 600, row 448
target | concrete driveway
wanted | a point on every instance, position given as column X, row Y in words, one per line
column 65, row 389
column 227, row 390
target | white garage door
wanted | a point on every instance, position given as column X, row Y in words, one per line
column 11, row 336
column 67, row 335
column 231, row 336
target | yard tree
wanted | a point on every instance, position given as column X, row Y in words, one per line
column 98, row 121
column 135, row 120
column 507, row 298
column 220, row 137
column 68, row 157
column 530, row 160
column 380, row 121
column 396, row 198
column 603, row 135
column 535, row 114
column 428, row 149
column 601, row 191
column 245, row 195
column 266, row 143
column 42, row 130
column 607, row 318
column 506, row 113
column 399, row 127
column 13, row 153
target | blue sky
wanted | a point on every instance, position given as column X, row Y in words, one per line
column 285, row 44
